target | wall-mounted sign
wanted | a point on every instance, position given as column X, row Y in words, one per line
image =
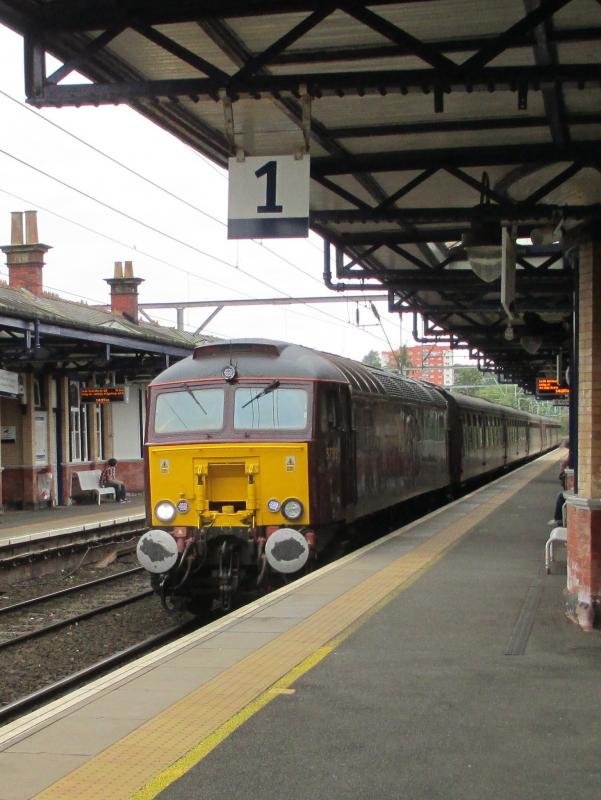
column 8, row 433
column 109, row 394
column 40, row 436
column 268, row 197
column 550, row 388
column 9, row 384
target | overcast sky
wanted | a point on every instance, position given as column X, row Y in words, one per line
column 201, row 265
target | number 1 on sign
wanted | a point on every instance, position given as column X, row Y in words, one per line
column 270, row 170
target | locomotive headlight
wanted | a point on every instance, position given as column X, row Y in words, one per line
column 292, row 509
column 273, row 505
column 165, row 511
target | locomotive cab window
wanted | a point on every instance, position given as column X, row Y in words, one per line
column 265, row 408
column 189, row 410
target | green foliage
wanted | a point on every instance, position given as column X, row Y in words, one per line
column 399, row 360
column 468, row 376
column 484, row 385
column 372, row 359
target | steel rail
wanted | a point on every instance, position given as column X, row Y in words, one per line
column 24, row 637
column 40, row 696
column 69, row 590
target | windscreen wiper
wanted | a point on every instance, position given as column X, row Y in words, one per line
column 266, row 390
column 196, row 400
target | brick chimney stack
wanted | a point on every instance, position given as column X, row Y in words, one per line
column 25, row 257
column 124, row 290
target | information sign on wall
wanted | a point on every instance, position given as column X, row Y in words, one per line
column 110, row 394
column 8, row 433
column 268, row 197
column 550, row 388
column 9, row 384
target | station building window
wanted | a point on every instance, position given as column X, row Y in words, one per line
column 38, row 395
column 99, row 411
column 78, row 425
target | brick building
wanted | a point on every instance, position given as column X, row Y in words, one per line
column 54, row 354
column 428, row 363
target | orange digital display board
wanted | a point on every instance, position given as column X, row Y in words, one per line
column 111, row 394
column 549, row 387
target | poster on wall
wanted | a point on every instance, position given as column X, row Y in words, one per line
column 40, row 423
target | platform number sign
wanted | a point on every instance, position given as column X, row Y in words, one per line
column 268, row 197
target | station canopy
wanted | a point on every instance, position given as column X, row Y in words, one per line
column 449, row 139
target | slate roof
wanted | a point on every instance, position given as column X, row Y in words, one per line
column 23, row 305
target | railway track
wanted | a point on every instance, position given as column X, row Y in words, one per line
column 69, row 590
column 32, row 557
column 43, row 695
column 59, row 639
column 31, row 653
column 37, row 616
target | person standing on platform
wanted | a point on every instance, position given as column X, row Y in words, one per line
column 109, row 479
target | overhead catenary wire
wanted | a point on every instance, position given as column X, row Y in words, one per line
column 152, row 183
column 331, row 321
column 161, row 188
column 152, row 227
column 85, row 299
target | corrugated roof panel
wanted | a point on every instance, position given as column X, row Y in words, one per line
column 412, row 113
column 586, row 100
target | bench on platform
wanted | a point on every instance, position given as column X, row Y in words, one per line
column 89, row 481
column 558, row 534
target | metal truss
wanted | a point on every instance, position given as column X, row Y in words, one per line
column 40, row 347
column 428, row 276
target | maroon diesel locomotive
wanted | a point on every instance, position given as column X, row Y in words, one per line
column 259, row 452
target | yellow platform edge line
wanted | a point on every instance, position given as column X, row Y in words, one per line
column 183, row 765
column 433, row 550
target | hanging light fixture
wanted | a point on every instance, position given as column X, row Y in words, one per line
column 531, row 344
column 483, row 249
column 482, row 243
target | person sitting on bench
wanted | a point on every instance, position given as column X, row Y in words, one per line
column 109, row 478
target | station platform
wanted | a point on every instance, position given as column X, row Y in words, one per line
column 435, row 663
column 18, row 527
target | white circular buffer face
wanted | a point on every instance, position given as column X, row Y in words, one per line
column 287, row 550
column 157, row 551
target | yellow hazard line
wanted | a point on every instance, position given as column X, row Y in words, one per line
column 160, row 751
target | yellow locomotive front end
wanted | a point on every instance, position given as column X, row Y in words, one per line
column 228, row 499
column 229, row 485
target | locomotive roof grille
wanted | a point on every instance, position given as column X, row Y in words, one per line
column 355, row 376
column 225, row 348
column 408, row 389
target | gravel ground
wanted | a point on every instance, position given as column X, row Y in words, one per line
column 28, row 667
